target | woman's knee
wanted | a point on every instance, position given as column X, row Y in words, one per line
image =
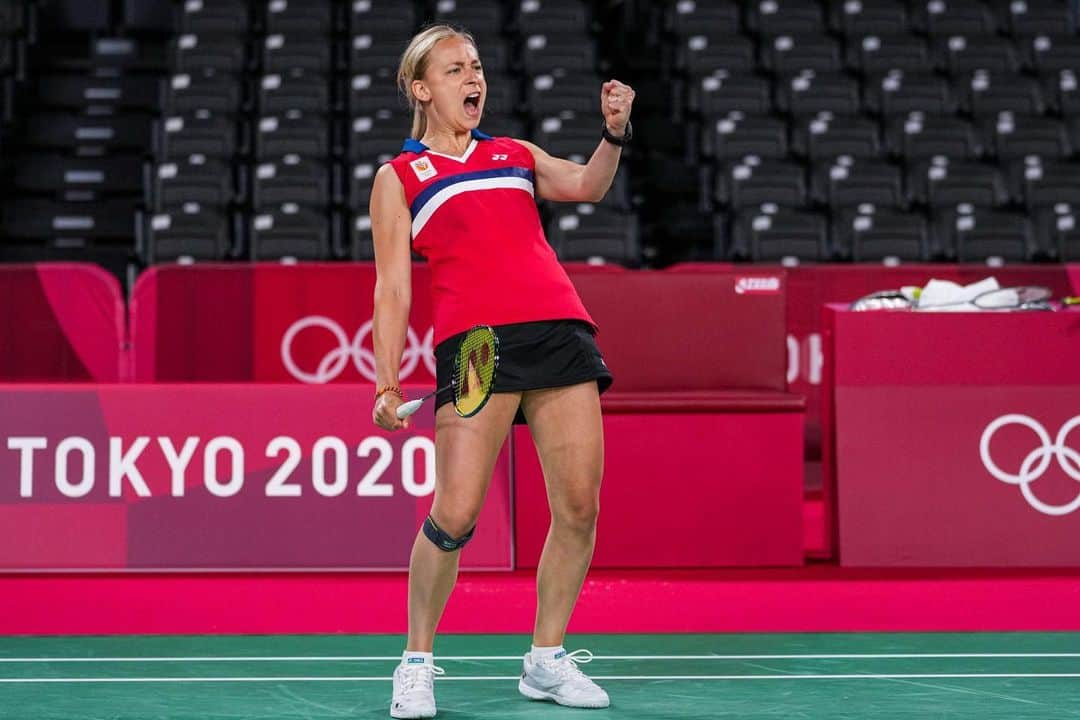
column 456, row 520
column 577, row 514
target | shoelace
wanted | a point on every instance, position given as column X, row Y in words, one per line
column 567, row 668
column 419, row 677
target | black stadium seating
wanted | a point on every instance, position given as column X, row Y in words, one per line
column 142, row 131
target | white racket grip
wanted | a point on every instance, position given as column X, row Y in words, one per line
column 404, row 410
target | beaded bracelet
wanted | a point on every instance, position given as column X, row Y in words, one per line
column 389, row 388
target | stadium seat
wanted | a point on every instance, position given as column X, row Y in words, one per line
column 1033, row 17
column 968, row 53
column 87, row 134
column 552, row 93
column 884, row 53
column 704, row 53
column 387, row 18
column 855, row 18
column 787, row 54
column 190, row 231
column 224, row 53
column 688, row 18
column 1010, row 136
column 292, row 132
column 551, row 16
column 306, row 18
column 918, row 136
column 737, row 135
column 205, row 89
column 1050, row 53
column 289, row 52
column 211, row 17
column 953, row 17
column 941, row 182
column 770, row 233
column 868, row 233
column 292, row 179
column 69, row 224
column 779, row 17
column 109, row 93
column 376, row 136
column 722, row 92
column 199, row 179
column 824, row 136
column 548, row 53
column 591, row 232
column 974, row 235
column 368, row 93
column 181, row 136
column 900, row 92
column 1040, row 183
column 846, row 181
column 290, row 231
column 752, row 182
column 1058, row 232
column 985, row 93
column 567, row 136
column 88, row 177
column 483, row 18
column 295, row 89
column 811, row 92
column 1063, row 92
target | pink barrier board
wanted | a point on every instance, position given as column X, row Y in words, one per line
column 312, row 324
column 219, row 477
column 700, row 489
column 955, row 438
column 810, row 287
column 60, row 321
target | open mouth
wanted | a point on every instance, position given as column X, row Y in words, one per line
column 472, row 104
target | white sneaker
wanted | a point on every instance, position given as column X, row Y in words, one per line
column 558, row 679
column 414, row 690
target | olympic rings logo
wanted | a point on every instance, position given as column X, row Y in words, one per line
column 363, row 357
column 1037, row 461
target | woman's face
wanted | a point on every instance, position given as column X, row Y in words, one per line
column 453, row 85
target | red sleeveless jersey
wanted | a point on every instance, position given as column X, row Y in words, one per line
column 474, row 218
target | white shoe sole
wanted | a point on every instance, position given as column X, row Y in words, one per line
column 410, row 715
column 533, row 694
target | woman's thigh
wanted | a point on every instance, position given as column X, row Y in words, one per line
column 566, row 426
column 465, row 453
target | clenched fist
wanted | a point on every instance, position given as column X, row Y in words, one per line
column 616, row 99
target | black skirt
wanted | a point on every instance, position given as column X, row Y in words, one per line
column 533, row 355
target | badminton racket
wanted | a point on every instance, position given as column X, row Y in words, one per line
column 473, row 377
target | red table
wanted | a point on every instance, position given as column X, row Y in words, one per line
column 954, row 439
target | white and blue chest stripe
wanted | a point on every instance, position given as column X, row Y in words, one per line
column 435, row 195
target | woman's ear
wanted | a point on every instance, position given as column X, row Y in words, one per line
column 420, row 91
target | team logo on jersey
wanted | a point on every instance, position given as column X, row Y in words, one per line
column 423, row 169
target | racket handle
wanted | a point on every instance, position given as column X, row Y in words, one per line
column 404, row 410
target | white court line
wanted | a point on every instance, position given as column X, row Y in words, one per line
column 902, row 676
column 396, row 658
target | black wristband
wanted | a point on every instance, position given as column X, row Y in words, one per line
column 623, row 141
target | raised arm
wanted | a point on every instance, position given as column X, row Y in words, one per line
column 565, row 181
column 391, row 229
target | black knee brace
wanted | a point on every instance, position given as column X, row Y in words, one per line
column 442, row 540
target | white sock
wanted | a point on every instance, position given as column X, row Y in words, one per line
column 410, row 657
column 540, row 653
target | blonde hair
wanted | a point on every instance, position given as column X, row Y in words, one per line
column 414, row 63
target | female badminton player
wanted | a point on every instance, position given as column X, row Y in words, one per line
column 466, row 201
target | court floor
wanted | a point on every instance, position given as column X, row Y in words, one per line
column 651, row 677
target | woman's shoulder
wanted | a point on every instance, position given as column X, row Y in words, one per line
column 513, row 147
